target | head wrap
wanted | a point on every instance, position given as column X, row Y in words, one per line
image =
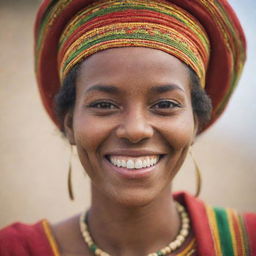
column 206, row 35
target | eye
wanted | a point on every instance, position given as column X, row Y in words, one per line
column 166, row 104
column 103, row 105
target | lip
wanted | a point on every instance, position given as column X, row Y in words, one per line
column 134, row 153
column 134, row 173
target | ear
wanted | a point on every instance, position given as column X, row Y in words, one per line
column 68, row 127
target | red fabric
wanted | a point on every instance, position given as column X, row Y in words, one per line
column 200, row 225
column 24, row 240
column 250, row 222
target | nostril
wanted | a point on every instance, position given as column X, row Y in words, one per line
column 134, row 132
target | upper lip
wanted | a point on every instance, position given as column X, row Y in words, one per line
column 129, row 152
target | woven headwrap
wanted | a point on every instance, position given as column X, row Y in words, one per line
column 205, row 35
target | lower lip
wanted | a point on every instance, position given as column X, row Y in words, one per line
column 132, row 173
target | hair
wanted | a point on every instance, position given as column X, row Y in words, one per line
column 65, row 98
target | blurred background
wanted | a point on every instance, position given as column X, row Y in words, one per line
column 34, row 157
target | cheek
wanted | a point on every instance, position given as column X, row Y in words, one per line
column 90, row 132
column 179, row 131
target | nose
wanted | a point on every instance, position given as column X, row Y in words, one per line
column 134, row 127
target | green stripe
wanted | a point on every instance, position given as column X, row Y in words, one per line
column 169, row 41
column 111, row 9
column 224, row 232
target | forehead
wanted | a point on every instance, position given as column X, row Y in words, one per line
column 133, row 66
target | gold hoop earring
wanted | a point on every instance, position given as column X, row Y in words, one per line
column 70, row 188
column 198, row 176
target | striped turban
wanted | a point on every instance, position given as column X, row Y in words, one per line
column 205, row 35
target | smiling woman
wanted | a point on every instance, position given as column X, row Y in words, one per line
column 131, row 84
column 134, row 116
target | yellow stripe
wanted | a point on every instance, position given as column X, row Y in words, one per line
column 241, row 234
column 50, row 238
column 214, row 230
column 232, row 231
column 189, row 247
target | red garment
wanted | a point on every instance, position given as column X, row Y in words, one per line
column 25, row 240
column 36, row 240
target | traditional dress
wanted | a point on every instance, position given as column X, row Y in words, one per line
column 205, row 35
column 217, row 231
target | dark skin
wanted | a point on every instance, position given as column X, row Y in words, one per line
column 130, row 103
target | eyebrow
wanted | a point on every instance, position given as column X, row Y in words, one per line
column 115, row 90
column 166, row 88
column 103, row 88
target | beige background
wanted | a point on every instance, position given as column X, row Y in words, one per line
column 34, row 158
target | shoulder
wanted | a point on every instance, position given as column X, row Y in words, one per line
column 234, row 231
column 222, row 230
column 23, row 240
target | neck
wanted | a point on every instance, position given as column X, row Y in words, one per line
column 123, row 230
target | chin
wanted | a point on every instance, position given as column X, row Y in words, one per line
column 137, row 197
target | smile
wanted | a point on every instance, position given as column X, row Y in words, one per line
column 134, row 162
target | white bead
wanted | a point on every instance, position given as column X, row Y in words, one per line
column 184, row 214
column 184, row 232
column 167, row 249
column 173, row 245
column 180, row 238
column 185, row 220
column 163, row 251
column 185, row 226
column 178, row 243
column 180, row 209
column 98, row 252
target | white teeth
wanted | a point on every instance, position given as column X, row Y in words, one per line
column 152, row 161
column 138, row 164
column 134, row 162
column 119, row 164
column 144, row 163
column 130, row 164
column 123, row 163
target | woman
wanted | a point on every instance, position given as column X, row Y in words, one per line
column 124, row 81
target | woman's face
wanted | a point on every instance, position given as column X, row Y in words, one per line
column 132, row 122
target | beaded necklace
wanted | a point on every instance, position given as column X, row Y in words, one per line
column 177, row 243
